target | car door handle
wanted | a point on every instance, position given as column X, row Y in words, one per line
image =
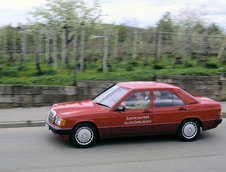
column 181, row 109
column 147, row 111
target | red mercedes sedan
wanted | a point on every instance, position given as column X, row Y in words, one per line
column 134, row 109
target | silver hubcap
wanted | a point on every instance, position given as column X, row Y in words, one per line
column 189, row 130
column 84, row 135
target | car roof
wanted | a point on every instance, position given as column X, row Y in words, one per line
column 145, row 85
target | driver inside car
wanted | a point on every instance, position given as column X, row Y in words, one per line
column 136, row 100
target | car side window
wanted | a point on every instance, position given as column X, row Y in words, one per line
column 166, row 99
column 137, row 100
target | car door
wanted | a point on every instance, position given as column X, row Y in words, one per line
column 168, row 111
column 136, row 119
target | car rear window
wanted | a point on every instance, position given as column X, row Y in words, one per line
column 166, row 98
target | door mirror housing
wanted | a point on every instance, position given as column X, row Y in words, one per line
column 120, row 108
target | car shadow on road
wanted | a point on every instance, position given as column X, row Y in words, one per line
column 57, row 142
column 156, row 139
column 138, row 140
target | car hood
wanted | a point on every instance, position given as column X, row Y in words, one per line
column 75, row 108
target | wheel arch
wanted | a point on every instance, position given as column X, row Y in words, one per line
column 88, row 122
column 193, row 118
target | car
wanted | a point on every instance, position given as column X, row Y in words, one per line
column 134, row 109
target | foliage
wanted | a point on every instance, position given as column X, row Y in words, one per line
column 166, row 24
column 123, row 71
column 193, row 20
column 67, row 13
column 122, row 32
column 71, row 15
column 188, row 18
column 213, row 29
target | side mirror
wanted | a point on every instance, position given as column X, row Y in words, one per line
column 120, row 108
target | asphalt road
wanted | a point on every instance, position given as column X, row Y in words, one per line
column 37, row 150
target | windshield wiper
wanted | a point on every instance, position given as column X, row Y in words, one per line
column 102, row 104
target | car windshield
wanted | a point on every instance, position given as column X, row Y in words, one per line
column 109, row 97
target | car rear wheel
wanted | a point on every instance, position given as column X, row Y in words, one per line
column 84, row 135
column 189, row 130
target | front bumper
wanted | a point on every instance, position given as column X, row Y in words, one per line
column 58, row 130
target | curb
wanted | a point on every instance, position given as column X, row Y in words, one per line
column 18, row 124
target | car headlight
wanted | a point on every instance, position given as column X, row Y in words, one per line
column 60, row 122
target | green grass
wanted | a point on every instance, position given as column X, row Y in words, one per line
column 126, row 70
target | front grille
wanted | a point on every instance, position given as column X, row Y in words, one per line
column 52, row 115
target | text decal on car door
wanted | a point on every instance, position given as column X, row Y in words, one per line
column 130, row 120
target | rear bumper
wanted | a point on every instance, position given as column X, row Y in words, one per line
column 211, row 124
column 218, row 121
column 58, row 130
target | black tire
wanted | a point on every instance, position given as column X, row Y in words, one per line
column 189, row 130
column 84, row 135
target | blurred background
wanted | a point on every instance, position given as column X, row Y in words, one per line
column 61, row 41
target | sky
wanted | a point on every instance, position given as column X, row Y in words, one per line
column 138, row 13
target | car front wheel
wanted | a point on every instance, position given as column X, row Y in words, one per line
column 84, row 135
column 189, row 130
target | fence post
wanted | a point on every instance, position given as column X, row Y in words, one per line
column 116, row 44
column 222, row 49
column 75, row 57
column 55, row 49
column 185, row 39
column 158, row 46
column 13, row 51
column 1, row 42
column 47, row 47
column 63, row 52
column 105, row 57
column 135, row 45
column 150, row 46
column 5, row 45
column 205, row 50
column 23, row 45
column 37, row 52
column 82, row 50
